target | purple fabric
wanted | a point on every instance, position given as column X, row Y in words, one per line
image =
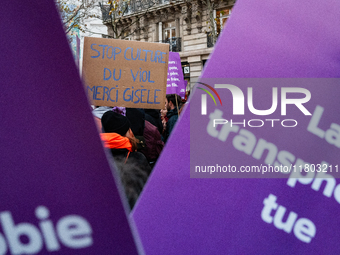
column 120, row 110
column 175, row 80
column 51, row 153
column 180, row 215
column 279, row 39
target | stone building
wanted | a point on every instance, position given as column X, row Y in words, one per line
column 185, row 25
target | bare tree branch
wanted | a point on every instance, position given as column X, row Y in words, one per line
column 117, row 12
column 74, row 13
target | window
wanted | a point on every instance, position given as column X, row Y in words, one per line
column 169, row 30
column 170, row 36
column 222, row 17
column 204, row 61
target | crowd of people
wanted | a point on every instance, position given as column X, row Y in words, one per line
column 135, row 138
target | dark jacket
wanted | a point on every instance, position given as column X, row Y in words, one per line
column 154, row 143
column 136, row 118
column 134, row 170
column 154, row 117
column 132, row 167
column 172, row 116
column 133, row 160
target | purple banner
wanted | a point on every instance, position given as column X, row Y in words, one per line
column 175, row 81
column 58, row 192
column 254, row 215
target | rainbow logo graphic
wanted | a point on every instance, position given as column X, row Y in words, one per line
column 204, row 97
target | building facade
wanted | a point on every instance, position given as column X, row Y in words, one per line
column 94, row 27
column 185, row 25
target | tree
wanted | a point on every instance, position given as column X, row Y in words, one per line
column 211, row 6
column 116, row 10
column 73, row 14
column 127, row 17
column 213, row 21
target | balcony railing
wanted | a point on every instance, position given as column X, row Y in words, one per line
column 131, row 7
column 175, row 44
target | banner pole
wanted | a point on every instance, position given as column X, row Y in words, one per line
column 177, row 106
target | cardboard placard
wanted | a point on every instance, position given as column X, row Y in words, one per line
column 125, row 73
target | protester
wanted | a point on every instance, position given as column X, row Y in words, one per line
column 150, row 143
column 164, row 119
column 98, row 112
column 153, row 136
column 182, row 107
column 173, row 103
column 154, row 143
column 133, row 167
column 154, row 117
column 136, row 118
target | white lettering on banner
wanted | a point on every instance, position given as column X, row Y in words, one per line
column 316, row 181
column 332, row 135
column 174, row 79
column 320, row 181
column 72, row 230
column 247, row 142
column 304, row 229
